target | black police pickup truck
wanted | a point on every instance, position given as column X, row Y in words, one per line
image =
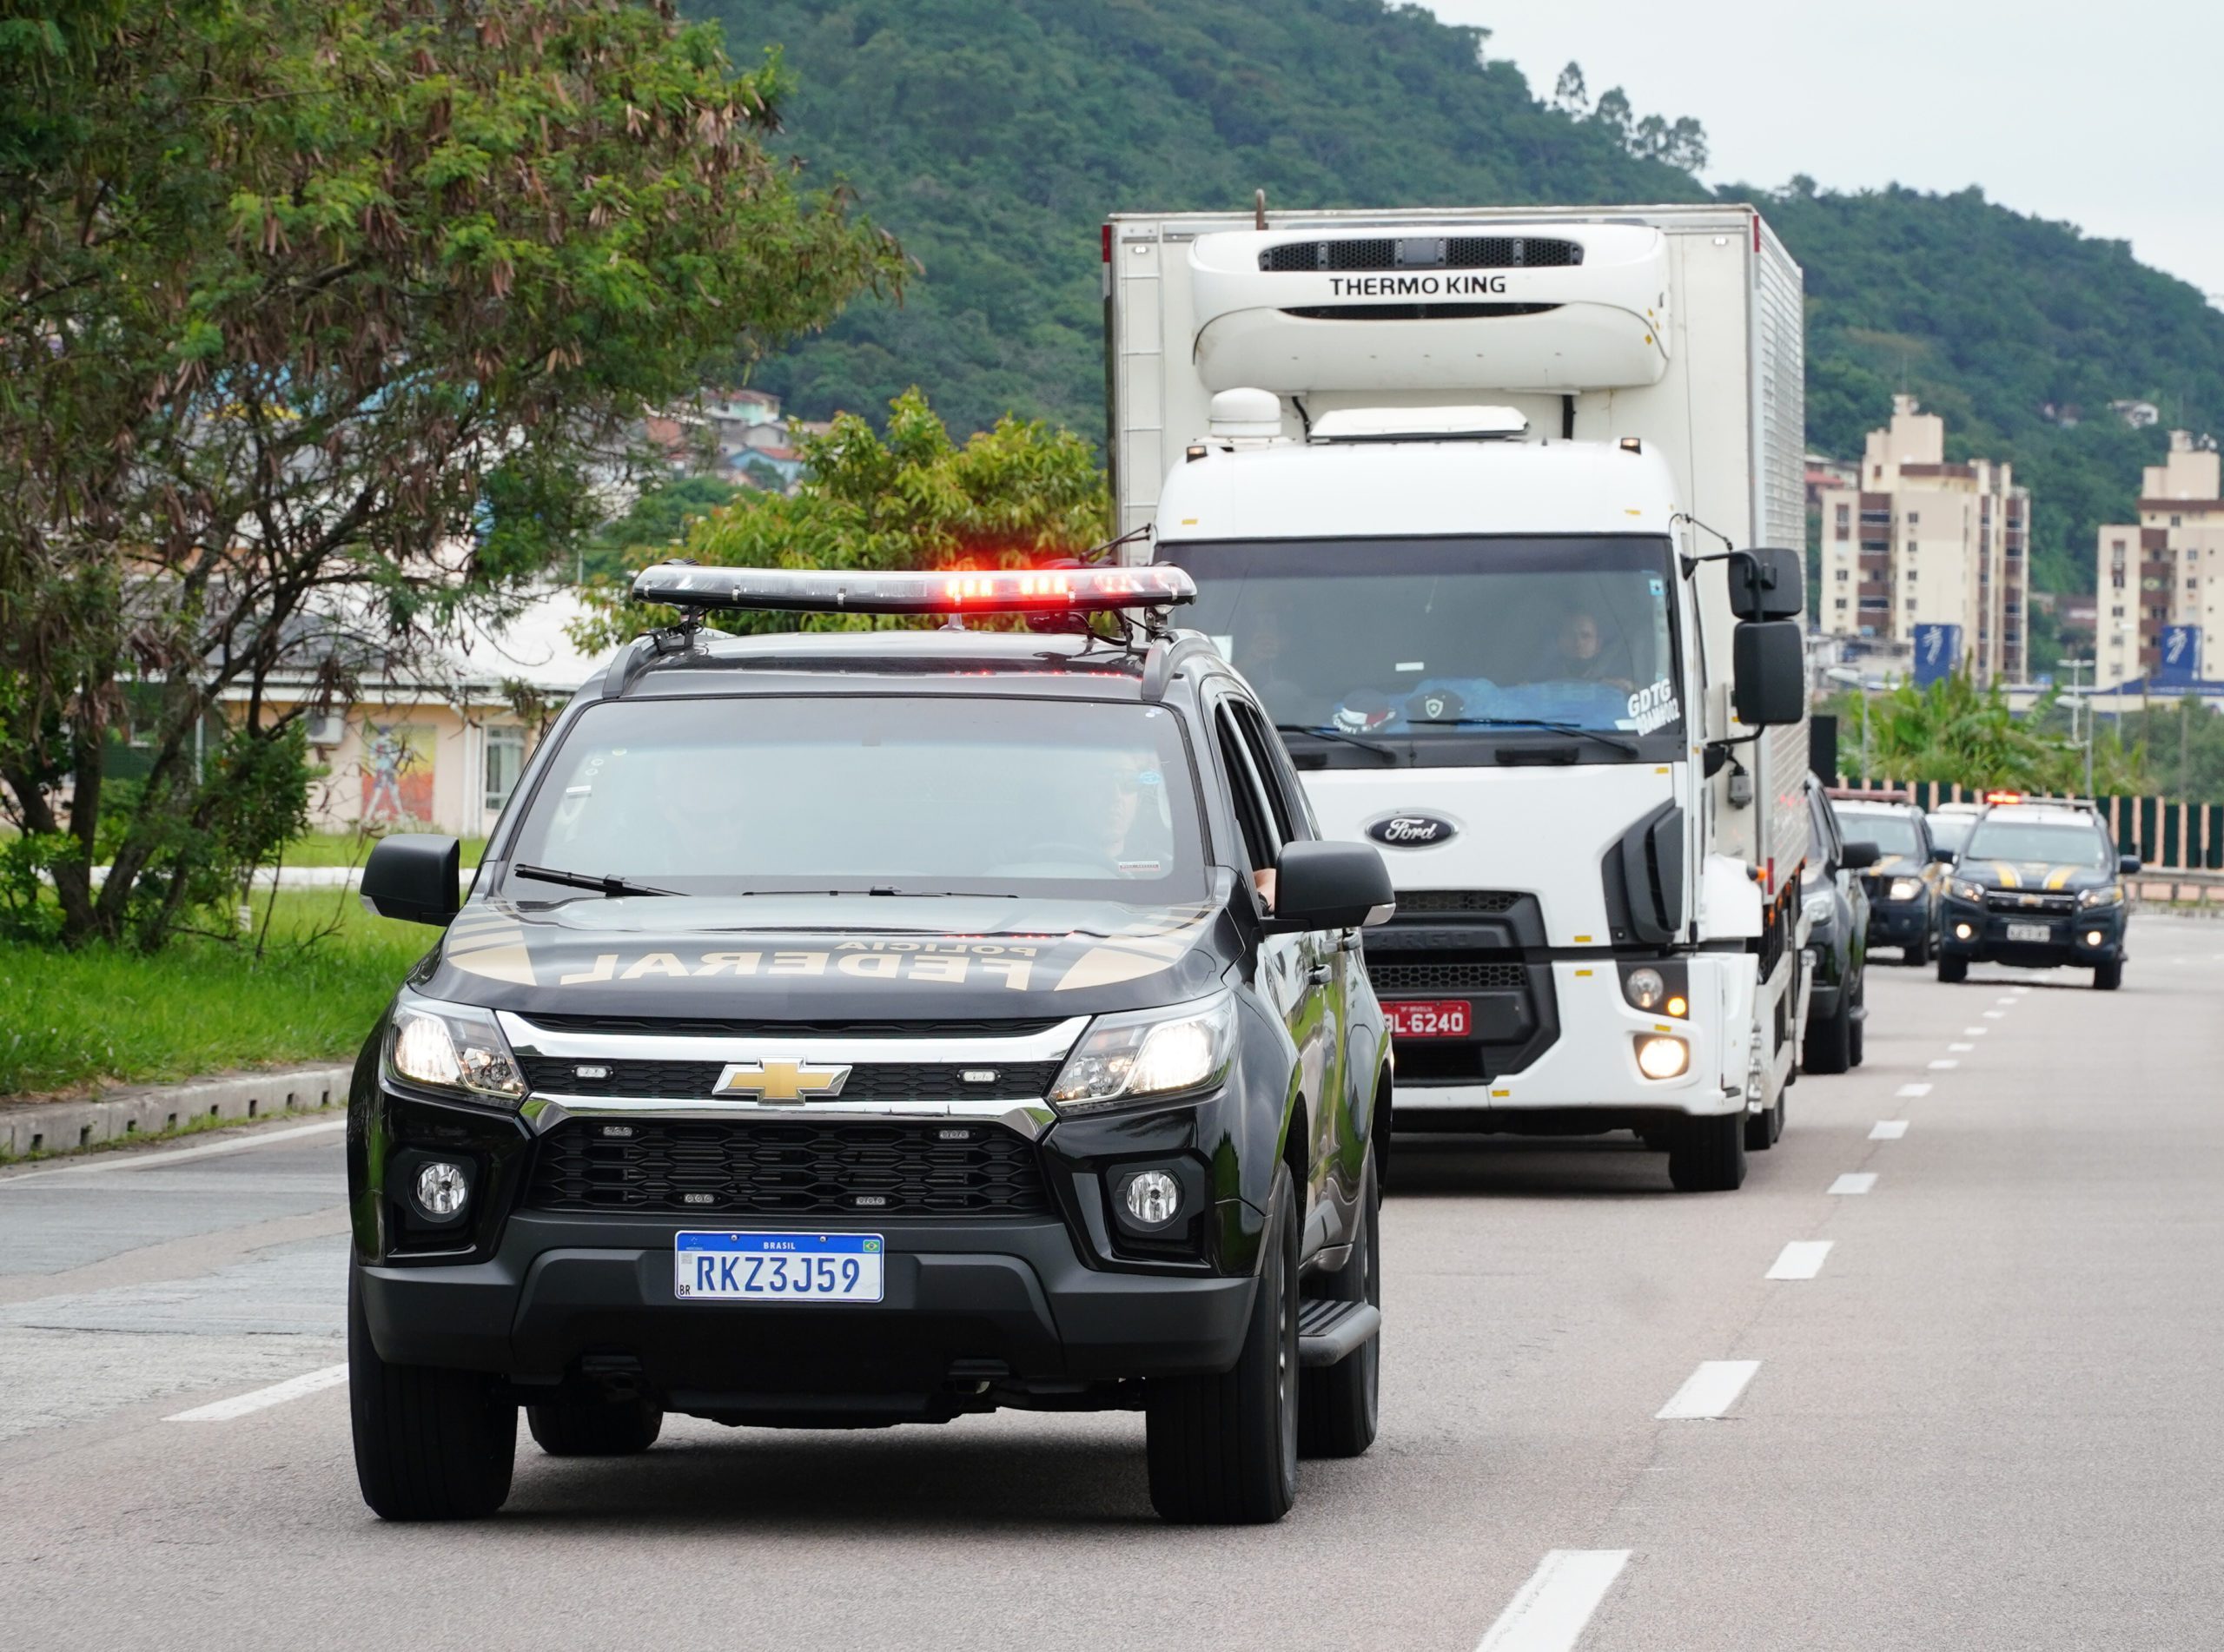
column 862, row 1027
column 2038, row 884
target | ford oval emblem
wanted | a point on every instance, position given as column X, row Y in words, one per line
column 1412, row 831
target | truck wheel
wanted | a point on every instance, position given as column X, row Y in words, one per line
column 1336, row 1404
column 1222, row 1450
column 430, row 1445
column 596, row 1428
column 1953, row 970
column 1708, row 1155
column 1828, row 1047
column 1765, row 1130
column 2108, row 976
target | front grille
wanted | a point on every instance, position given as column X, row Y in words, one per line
column 771, row 1167
column 2020, row 901
column 1422, row 252
column 700, row 1027
column 1392, row 978
column 1418, row 902
column 877, row 1082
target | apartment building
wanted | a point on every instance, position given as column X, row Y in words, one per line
column 1915, row 542
column 2164, row 575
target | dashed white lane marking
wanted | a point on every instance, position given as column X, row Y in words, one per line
column 161, row 1160
column 1913, row 1091
column 1554, row 1606
column 1888, row 1130
column 1975, row 1032
column 1943, row 1062
column 2008, row 1002
column 1996, row 1015
column 1963, row 1048
column 1855, row 1181
column 1709, row 1390
column 2019, row 991
column 1801, row 1259
column 224, row 1411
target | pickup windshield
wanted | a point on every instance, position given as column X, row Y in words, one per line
column 866, row 795
column 1452, row 652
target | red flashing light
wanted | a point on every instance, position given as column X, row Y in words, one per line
column 953, row 590
column 1757, row 232
column 1107, row 243
column 2003, row 796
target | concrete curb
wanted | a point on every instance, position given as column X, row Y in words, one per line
column 65, row 1126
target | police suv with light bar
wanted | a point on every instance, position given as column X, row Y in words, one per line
column 852, row 1028
column 2036, row 883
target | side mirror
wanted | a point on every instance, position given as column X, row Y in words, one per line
column 1859, row 857
column 414, row 876
column 2128, row 865
column 1332, row 886
column 1768, row 584
column 1769, row 659
column 1943, row 856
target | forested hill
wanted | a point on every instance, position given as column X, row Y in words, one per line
column 992, row 136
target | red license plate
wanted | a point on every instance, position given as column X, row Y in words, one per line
column 1431, row 1018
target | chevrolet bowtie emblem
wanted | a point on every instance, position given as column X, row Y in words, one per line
column 779, row 1079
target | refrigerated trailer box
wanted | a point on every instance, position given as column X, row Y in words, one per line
column 1420, row 461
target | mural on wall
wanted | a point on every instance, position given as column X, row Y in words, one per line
column 397, row 774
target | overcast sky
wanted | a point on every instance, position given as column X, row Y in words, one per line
column 2110, row 117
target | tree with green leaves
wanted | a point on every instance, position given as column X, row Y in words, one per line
column 914, row 498
column 325, row 318
column 1956, row 733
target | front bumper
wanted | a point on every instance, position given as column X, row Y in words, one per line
column 2068, row 938
column 965, row 1302
column 1898, row 924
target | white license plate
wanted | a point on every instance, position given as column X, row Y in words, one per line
column 778, row 1267
column 2031, row 932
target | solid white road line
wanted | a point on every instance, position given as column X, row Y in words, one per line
column 224, row 1411
column 157, row 1158
column 1550, row 1613
column 1888, row 1130
column 1709, row 1390
column 1801, row 1259
column 1943, row 1062
column 1912, row 1091
column 1964, row 1048
column 1855, row 1181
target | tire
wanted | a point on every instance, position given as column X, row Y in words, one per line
column 1828, row 1045
column 1953, row 970
column 1858, row 1025
column 1765, row 1130
column 596, row 1428
column 1337, row 1405
column 2107, row 976
column 1919, row 954
column 430, row 1445
column 1222, row 1450
column 1708, row 1155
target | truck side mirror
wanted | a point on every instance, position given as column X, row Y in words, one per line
column 1331, row 886
column 414, row 876
column 1769, row 584
column 1769, row 659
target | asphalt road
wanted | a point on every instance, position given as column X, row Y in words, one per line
column 1988, row 1416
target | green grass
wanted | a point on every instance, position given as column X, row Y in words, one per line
column 353, row 849
column 72, row 1021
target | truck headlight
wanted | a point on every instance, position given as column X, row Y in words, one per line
column 2108, row 895
column 1663, row 1058
column 1149, row 1053
column 456, row 1048
column 1644, row 988
column 1904, row 888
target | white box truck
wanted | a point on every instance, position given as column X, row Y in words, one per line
column 1475, row 500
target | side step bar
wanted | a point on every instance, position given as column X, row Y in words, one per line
column 1329, row 1331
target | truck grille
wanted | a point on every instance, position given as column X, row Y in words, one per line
column 1423, row 252
column 772, row 1167
column 874, row 1081
column 1394, row 978
column 1418, row 902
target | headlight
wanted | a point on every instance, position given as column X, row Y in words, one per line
column 455, row 1048
column 2107, row 894
column 1965, row 890
column 1644, row 988
column 1820, row 906
column 1147, row 1053
column 1904, row 888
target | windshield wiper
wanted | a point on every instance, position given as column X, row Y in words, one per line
column 1605, row 739
column 1373, row 746
column 613, row 887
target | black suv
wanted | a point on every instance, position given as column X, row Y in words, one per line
column 861, row 1027
column 1908, row 879
column 1836, row 909
column 2039, row 884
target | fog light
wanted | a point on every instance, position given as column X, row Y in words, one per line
column 442, row 1187
column 1644, row 988
column 2092, row 937
column 1662, row 1058
column 1154, row 1197
column 1962, row 932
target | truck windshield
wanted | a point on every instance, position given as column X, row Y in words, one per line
column 1451, row 650
column 868, row 794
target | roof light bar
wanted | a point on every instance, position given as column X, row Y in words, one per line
column 957, row 591
column 2003, row 796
